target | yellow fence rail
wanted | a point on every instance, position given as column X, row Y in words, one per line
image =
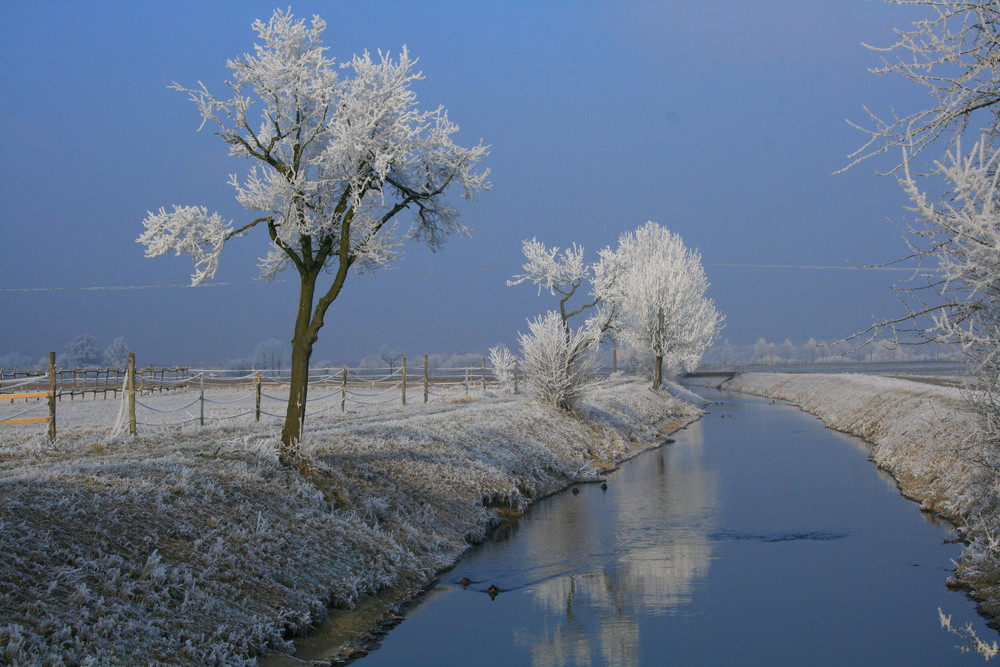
column 50, row 395
column 27, row 420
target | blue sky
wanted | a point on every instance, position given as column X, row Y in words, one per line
column 723, row 121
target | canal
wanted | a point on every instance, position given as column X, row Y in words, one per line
column 759, row 537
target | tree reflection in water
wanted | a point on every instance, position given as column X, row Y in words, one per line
column 639, row 548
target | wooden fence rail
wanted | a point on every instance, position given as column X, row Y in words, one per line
column 50, row 395
column 56, row 384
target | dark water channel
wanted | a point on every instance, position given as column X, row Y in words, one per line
column 758, row 537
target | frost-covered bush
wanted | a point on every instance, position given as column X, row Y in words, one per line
column 504, row 365
column 557, row 363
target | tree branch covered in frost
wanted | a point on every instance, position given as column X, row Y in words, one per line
column 968, row 635
column 339, row 156
column 960, row 233
column 563, row 273
column 952, row 55
column 557, row 365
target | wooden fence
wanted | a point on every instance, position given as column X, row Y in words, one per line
column 134, row 382
column 49, row 395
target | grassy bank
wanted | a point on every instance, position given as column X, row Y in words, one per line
column 195, row 546
column 921, row 434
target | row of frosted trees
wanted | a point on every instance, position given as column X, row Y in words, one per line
column 648, row 295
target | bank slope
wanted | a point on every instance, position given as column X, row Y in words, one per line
column 196, row 546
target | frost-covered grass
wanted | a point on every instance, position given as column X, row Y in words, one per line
column 195, row 546
column 923, row 435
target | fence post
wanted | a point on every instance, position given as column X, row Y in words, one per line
column 257, row 408
column 426, row 379
column 343, row 392
column 131, row 393
column 614, row 356
column 404, row 380
column 52, row 395
column 201, row 397
column 515, row 376
column 484, row 375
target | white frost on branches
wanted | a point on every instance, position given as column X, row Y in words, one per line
column 190, row 230
column 504, row 365
column 952, row 56
column 559, row 359
column 660, row 290
column 961, row 234
column 552, row 270
column 557, row 363
column 338, row 154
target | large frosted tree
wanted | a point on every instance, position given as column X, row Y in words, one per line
column 659, row 290
column 338, row 153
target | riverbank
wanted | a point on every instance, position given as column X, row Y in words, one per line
column 921, row 434
column 195, row 546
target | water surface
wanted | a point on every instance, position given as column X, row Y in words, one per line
column 759, row 537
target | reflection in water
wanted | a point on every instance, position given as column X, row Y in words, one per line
column 643, row 554
column 758, row 538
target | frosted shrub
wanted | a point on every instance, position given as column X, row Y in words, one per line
column 556, row 362
column 504, row 366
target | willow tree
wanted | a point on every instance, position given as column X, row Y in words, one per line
column 338, row 153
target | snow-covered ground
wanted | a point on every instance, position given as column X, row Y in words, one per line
column 921, row 433
column 193, row 545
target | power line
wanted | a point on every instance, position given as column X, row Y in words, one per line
column 417, row 274
column 912, row 269
column 228, row 284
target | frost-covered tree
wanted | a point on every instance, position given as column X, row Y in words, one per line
column 563, row 273
column 270, row 354
column 83, row 352
column 504, row 365
column 116, row 354
column 338, row 153
column 952, row 56
column 660, row 293
column 960, row 235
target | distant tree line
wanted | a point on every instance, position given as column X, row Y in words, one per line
column 814, row 351
column 84, row 351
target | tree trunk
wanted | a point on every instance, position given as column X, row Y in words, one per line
column 307, row 325
column 302, row 345
column 658, row 371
